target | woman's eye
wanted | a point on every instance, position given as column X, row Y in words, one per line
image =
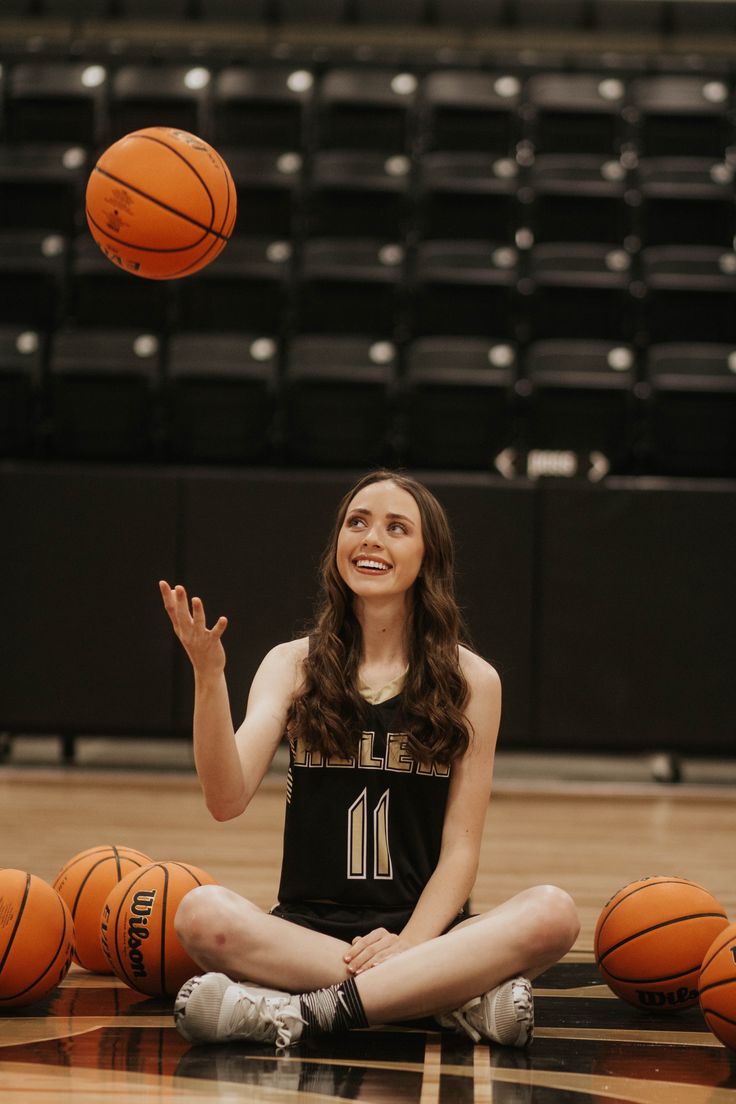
column 353, row 522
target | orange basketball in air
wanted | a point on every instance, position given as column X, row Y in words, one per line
column 717, row 986
column 161, row 203
column 36, row 938
column 137, row 927
column 85, row 882
column 651, row 938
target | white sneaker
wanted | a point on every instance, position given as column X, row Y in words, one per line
column 214, row 1009
column 505, row 1015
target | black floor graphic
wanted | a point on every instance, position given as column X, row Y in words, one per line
column 589, row 1047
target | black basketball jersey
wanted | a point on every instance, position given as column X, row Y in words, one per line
column 364, row 831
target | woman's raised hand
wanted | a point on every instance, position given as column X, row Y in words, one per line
column 202, row 645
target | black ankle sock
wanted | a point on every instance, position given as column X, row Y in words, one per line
column 336, row 1008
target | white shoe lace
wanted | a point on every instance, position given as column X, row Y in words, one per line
column 459, row 1017
column 522, row 1002
column 261, row 1017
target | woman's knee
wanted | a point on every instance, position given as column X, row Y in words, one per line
column 208, row 918
column 555, row 920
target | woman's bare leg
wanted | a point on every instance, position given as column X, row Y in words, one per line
column 524, row 935
column 226, row 933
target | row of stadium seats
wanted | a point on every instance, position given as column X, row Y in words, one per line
column 555, row 408
column 364, row 285
column 275, row 106
column 452, row 268
column 661, row 15
column 442, row 195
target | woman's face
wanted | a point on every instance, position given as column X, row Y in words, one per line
column 380, row 545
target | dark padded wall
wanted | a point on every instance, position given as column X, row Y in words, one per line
column 608, row 610
column 83, row 647
column 493, row 523
column 251, row 544
column 636, row 631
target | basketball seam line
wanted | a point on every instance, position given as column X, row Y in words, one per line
column 639, row 888
column 121, row 957
column 18, row 919
column 716, row 984
column 51, row 963
column 655, row 927
column 716, row 952
column 653, row 980
column 160, row 203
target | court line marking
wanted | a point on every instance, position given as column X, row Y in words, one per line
column 626, row 1035
column 431, row 1071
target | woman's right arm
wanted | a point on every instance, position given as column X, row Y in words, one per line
column 230, row 764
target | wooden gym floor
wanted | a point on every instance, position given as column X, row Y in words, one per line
column 96, row 1040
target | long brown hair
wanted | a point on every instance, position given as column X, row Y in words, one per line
column 329, row 712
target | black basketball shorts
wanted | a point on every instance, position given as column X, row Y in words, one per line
column 347, row 922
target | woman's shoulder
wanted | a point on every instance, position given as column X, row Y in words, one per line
column 285, row 662
column 479, row 673
column 291, row 650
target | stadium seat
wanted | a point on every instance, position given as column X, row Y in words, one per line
column 159, row 95
column 582, row 400
column 467, row 195
column 576, row 113
column 470, row 110
column 693, row 410
column 102, row 294
column 579, row 198
column 464, row 287
column 267, row 183
column 581, row 290
column 102, row 387
column 683, row 115
column 220, row 397
column 365, row 109
column 358, row 193
column 32, row 277
column 339, row 400
column 57, row 101
column 262, row 106
column 350, row 286
column 42, row 186
column 245, row 288
column 686, row 201
column 689, row 294
column 458, row 399
column 21, row 364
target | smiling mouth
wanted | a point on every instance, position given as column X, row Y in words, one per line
column 376, row 567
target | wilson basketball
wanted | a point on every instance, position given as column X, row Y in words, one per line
column 85, row 882
column 651, row 938
column 137, row 927
column 717, row 986
column 36, row 938
column 161, row 203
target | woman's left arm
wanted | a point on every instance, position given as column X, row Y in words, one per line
column 470, row 786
